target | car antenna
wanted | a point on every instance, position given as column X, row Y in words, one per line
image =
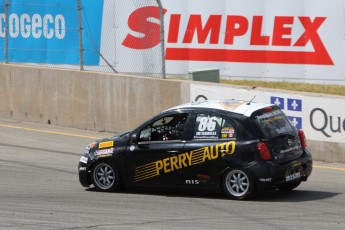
column 251, row 100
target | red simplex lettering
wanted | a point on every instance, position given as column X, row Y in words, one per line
column 310, row 31
column 235, row 26
column 212, row 26
column 174, row 28
column 280, row 31
column 150, row 30
column 256, row 37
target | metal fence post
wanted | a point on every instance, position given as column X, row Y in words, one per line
column 161, row 13
column 6, row 31
column 80, row 29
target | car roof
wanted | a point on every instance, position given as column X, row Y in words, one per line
column 236, row 106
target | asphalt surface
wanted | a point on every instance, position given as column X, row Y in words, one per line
column 39, row 189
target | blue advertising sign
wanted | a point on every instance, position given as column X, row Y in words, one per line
column 294, row 104
column 278, row 101
column 46, row 31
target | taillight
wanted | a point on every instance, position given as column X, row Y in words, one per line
column 264, row 152
column 268, row 109
column 302, row 139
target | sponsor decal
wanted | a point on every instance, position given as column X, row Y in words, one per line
column 132, row 148
column 106, row 144
column 326, row 124
column 192, row 182
column 104, row 151
column 271, row 116
column 82, row 168
column 219, row 31
column 183, row 160
column 228, row 132
column 293, row 176
column 83, row 160
column 290, row 149
column 105, row 155
column 265, row 179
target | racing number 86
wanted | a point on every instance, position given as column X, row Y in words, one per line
column 207, row 123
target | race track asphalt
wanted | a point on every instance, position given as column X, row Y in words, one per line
column 39, row 189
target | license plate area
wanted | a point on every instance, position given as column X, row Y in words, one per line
column 294, row 174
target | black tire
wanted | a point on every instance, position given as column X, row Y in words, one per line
column 237, row 184
column 290, row 186
column 105, row 177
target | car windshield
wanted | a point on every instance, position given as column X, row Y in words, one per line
column 273, row 123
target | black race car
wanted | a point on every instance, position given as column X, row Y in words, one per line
column 240, row 147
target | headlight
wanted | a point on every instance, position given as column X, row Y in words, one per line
column 89, row 147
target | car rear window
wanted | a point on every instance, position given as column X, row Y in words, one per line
column 273, row 123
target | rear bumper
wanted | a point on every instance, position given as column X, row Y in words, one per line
column 272, row 175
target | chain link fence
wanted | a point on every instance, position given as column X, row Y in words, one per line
column 102, row 36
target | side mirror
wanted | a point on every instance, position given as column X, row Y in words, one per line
column 134, row 138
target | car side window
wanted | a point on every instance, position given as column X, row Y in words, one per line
column 167, row 128
column 211, row 126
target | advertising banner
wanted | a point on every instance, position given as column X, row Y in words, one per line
column 301, row 40
column 297, row 40
column 320, row 117
column 46, row 31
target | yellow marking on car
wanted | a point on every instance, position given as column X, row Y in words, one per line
column 145, row 171
column 106, row 144
column 50, row 132
column 183, row 160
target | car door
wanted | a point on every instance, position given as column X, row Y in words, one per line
column 152, row 156
column 212, row 137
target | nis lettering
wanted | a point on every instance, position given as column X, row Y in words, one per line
column 235, row 26
column 322, row 122
column 183, row 160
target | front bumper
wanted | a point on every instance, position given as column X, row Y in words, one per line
column 84, row 174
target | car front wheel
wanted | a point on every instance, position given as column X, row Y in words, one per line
column 105, row 177
column 237, row 184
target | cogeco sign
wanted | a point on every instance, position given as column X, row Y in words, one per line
column 37, row 26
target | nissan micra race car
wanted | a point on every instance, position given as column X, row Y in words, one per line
column 239, row 147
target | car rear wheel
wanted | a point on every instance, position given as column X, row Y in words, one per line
column 237, row 184
column 105, row 177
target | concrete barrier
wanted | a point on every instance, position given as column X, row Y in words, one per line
column 85, row 100
column 116, row 103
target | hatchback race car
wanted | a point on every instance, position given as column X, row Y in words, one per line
column 239, row 147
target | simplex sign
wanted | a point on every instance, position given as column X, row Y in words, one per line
column 280, row 39
column 322, row 118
